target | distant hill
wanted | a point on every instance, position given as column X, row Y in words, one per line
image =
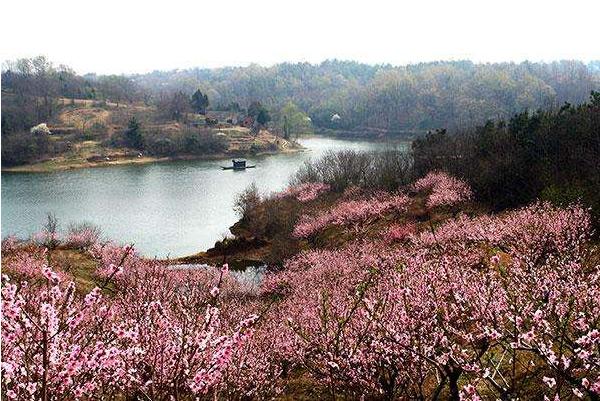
column 419, row 96
column 423, row 96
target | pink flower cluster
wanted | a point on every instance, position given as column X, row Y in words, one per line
column 399, row 232
column 530, row 231
column 9, row 244
column 46, row 238
column 82, row 238
column 481, row 308
column 29, row 264
column 351, row 213
column 492, row 307
column 157, row 332
column 113, row 259
column 444, row 190
column 306, row 192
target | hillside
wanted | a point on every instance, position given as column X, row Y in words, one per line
column 415, row 291
column 84, row 133
column 443, row 94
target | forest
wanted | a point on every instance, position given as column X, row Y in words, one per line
column 412, row 97
column 369, row 97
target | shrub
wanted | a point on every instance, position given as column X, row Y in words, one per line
column 49, row 236
column 25, row 147
column 385, row 170
column 247, row 201
column 83, row 235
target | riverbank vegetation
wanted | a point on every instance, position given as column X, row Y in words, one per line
column 545, row 155
column 88, row 134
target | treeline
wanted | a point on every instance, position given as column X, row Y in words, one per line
column 414, row 97
column 550, row 155
column 420, row 96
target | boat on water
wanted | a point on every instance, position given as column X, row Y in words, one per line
column 237, row 165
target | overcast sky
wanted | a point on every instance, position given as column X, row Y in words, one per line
column 123, row 36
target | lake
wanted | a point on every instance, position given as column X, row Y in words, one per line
column 165, row 209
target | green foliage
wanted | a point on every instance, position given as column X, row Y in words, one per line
column 199, row 102
column 254, row 109
column 263, row 117
column 548, row 154
column 595, row 98
column 259, row 113
column 414, row 97
column 563, row 195
column 133, row 135
column 293, row 121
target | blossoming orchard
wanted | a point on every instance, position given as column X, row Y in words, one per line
column 427, row 298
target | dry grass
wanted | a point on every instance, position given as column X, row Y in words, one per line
column 79, row 265
column 84, row 116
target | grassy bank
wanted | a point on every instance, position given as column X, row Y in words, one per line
column 63, row 163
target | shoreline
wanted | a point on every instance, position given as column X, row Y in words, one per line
column 63, row 165
column 375, row 135
column 39, row 168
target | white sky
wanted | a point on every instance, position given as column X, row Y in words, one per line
column 125, row 36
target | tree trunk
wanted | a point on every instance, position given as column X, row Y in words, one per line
column 453, row 376
column 45, row 364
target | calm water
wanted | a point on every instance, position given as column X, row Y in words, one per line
column 165, row 209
